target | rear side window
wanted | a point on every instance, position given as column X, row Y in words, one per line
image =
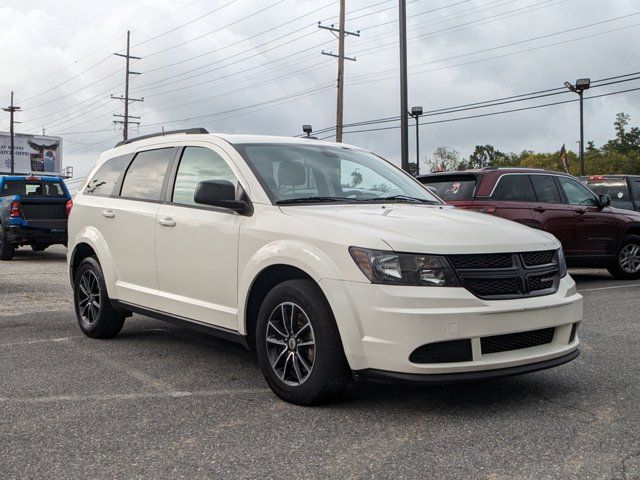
column 198, row 164
column 453, row 188
column 105, row 179
column 545, row 188
column 510, row 188
column 32, row 188
column 146, row 175
column 636, row 187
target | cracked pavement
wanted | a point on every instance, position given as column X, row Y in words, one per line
column 164, row 402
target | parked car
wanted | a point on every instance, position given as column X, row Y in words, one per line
column 624, row 190
column 592, row 233
column 33, row 211
column 258, row 240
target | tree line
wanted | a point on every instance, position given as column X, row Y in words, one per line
column 620, row 155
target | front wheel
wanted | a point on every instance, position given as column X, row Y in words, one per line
column 627, row 266
column 96, row 317
column 298, row 344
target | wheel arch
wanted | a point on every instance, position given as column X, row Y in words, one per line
column 89, row 242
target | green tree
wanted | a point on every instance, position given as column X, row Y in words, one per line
column 485, row 156
column 444, row 160
column 356, row 178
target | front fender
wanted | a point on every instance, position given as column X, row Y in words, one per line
column 92, row 237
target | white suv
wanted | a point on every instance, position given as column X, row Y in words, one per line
column 328, row 260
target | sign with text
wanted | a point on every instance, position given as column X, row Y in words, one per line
column 32, row 153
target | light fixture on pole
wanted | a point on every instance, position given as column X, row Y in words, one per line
column 307, row 129
column 416, row 112
column 581, row 85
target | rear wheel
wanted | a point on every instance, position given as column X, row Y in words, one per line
column 627, row 264
column 7, row 250
column 96, row 317
column 298, row 344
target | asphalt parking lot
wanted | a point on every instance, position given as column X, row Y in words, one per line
column 163, row 402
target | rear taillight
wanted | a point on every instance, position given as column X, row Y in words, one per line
column 596, row 177
column 15, row 210
column 69, row 207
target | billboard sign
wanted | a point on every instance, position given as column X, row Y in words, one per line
column 33, row 153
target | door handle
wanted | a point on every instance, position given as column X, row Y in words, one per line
column 539, row 209
column 581, row 212
column 109, row 214
column 167, row 222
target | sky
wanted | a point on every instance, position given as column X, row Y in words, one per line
column 242, row 66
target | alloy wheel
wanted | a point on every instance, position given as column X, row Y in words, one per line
column 89, row 298
column 629, row 258
column 290, row 343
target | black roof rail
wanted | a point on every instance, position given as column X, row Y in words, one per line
column 191, row 131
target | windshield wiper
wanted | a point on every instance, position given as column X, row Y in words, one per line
column 405, row 198
column 316, row 200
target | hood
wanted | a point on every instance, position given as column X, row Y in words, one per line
column 424, row 228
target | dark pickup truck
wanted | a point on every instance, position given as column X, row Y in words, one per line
column 33, row 211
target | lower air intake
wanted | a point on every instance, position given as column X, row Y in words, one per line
column 516, row 341
column 443, row 352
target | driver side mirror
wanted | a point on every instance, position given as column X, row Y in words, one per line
column 220, row 193
column 604, row 200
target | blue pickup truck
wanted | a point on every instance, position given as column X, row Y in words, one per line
column 33, row 211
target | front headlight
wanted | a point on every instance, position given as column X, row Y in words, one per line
column 562, row 263
column 391, row 268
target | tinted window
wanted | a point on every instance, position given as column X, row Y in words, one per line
column 576, row 193
column 545, row 188
column 616, row 188
column 105, row 179
column 32, row 188
column 146, row 174
column 454, row 188
column 198, row 164
column 510, row 188
column 636, row 187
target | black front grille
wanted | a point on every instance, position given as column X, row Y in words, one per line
column 545, row 257
column 43, row 211
column 574, row 331
column 443, row 352
column 481, row 262
column 516, row 341
column 486, row 287
column 508, row 275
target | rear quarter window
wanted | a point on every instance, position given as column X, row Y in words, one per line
column 453, row 188
column 106, row 178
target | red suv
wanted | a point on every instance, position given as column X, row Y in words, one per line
column 593, row 234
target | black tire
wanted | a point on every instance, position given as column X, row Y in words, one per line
column 329, row 372
column 38, row 247
column 618, row 270
column 7, row 250
column 101, row 321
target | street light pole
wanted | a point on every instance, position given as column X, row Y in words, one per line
column 404, row 104
column 581, row 92
column 581, row 85
column 416, row 112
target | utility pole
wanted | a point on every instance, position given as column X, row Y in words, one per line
column 342, row 33
column 12, row 109
column 126, row 118
column 580, row 86
column 404, row 103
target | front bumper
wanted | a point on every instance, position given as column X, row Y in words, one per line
column 382, row 325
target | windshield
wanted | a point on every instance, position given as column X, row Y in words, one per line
column 293, row 173
column 32, row 188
